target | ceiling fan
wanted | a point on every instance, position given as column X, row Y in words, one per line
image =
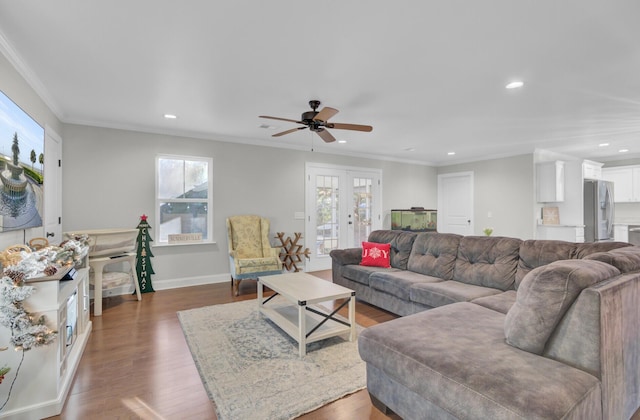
column 318, row 121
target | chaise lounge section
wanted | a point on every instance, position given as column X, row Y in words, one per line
column 500, row 328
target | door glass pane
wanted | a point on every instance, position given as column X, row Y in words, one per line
column 327, row 217
column 362, row 209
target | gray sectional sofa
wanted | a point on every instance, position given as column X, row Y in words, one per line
column 500, row 328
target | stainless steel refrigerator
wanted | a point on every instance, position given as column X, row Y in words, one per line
column 598, row 210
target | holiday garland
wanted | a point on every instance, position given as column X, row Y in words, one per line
column 28, row 330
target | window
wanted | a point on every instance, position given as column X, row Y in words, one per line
column 184, row 199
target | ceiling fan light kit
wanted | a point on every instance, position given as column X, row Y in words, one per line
column 318, row 122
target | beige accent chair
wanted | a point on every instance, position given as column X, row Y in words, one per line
column 250, row 253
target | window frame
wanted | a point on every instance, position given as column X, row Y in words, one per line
column 209, row 200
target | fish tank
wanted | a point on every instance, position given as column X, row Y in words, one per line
column 108, row 242
column 415, row 219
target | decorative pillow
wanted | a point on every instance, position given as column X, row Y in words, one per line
column 544, row 296
column 375, row 254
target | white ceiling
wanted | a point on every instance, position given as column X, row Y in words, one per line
column 427, row 75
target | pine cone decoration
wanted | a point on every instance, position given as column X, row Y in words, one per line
column 50, row 270
column 16, row 276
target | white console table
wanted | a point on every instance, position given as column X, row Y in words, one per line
column 46, row 373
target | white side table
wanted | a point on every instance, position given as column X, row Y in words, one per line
column 98, row 264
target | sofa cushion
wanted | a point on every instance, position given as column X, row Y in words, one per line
column 397, row 283
column 346, row 256
column 360, row 273
column 544, row 296
column 447, row 292
column 501, row 302
column 624, row 259
column 375, row 254
column 588, row 248
column 401, row 243
column 487, row 261
column 536, row 253
column 434, row 254
column 456, row 358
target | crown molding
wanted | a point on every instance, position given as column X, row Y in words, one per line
column 29, row 76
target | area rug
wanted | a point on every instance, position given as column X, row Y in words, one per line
column 251, row 369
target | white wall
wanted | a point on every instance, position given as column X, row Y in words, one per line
column 109, row 181
column 503, row 187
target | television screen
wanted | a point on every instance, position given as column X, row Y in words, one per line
column 21, row 168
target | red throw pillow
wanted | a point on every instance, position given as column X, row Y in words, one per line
column 375, row 255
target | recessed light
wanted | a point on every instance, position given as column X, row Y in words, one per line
column 603, row 145
column 410, row 149
column 342, row 141
column 623, row 150
column 170, row 116
column 451, row 153
column 515, row 84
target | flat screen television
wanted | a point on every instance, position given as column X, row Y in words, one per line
column 21, row 168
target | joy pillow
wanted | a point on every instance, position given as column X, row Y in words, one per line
column 375, row 255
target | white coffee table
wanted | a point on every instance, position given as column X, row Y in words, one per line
column 295, row 314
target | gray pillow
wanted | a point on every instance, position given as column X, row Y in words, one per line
column 544, row 296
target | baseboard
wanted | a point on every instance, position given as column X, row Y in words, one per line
column 172, row 284
column 190, row 281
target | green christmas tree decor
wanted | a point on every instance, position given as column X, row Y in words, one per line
column 143, row 264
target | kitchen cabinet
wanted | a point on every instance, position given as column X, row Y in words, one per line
column 621, row 232
column 626, row 183
column 46, row 374
column 591, row 170
column 568, row 233
column 550, row 181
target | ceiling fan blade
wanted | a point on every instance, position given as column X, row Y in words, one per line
column 288, row 131
column 281, row 119
column 325, row 113
column 356, row 127
column 326, row 136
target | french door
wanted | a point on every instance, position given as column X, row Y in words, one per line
column 343, row 205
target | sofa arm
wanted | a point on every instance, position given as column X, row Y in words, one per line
column 346, row 256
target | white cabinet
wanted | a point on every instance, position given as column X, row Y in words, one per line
column 621, row 233
column 591, row 170
column 561, row 233
column 626, row 183
column 550, row 181
column 46, row 373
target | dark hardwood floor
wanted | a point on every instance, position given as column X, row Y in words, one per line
column 137, row 364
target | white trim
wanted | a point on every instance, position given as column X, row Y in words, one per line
column 29, row 75
column 210, row 231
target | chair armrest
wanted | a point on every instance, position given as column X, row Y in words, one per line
column 346, row 256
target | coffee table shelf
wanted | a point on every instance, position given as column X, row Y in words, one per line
column 299, row 315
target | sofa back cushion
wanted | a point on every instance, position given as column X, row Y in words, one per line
column 487, row 261
column 434, row 254
column 587, row 248
column 544, row 296
column 625, row 259
column 401, row 243
column 536, row 253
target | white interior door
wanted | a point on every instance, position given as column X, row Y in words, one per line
column 343, row 205
column 52, row 186
column 455, row 203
